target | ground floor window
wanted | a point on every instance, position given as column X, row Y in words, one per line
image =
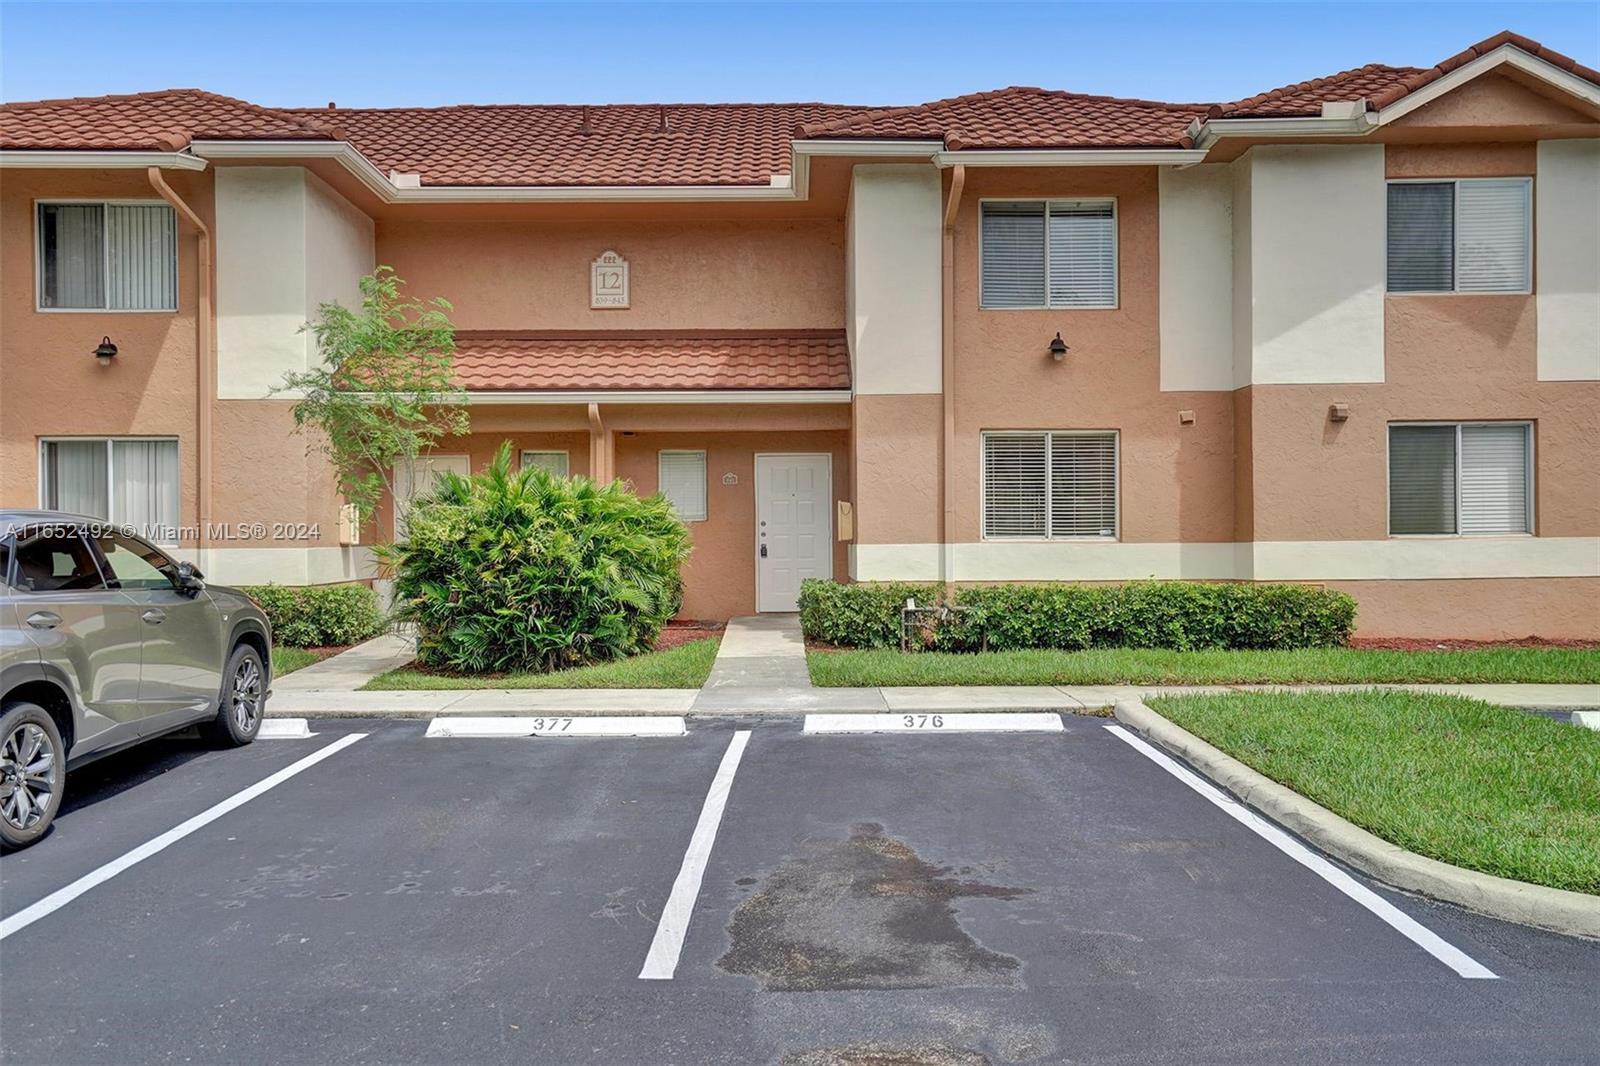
column 1467, row 478
column 682, row 479
column 553, row 463
column 1050, row 484
column 129, row 482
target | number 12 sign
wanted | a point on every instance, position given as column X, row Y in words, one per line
column 608, row 281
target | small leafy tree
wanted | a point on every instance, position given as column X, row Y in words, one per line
column 385, row 391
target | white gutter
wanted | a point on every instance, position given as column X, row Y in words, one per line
column 650, row 396
column 1208, row 133
column 1071, row 157
column 67, row 160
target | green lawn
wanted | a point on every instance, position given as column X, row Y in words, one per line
column 1482, row 787
column 288, row 660
column 1113, row 666
column 685, row 666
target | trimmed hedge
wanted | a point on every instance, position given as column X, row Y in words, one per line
column 316, row 616
column 1182, row 615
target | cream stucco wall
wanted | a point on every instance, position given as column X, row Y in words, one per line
column 1317, row 263
column 894, row 248
column 1567, row 259
column 286, row 243
column 1196, row 248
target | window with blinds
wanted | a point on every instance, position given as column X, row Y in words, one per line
column 132, row 483
column 1471, row 235
column 682, row 480
column 1471, row 479
column 552, row 463
column 1048, row 253
column 108, row 257
column 1050, row 485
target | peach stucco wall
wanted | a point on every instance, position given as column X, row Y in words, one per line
column 702, row 275
column 50, row 384
column 1566, row 608
column 1177, row 480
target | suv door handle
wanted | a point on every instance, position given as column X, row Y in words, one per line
column 155, row 616
column 44, row 619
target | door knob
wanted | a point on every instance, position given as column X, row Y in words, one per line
column 44, row 619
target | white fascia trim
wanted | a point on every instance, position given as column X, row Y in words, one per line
column 888, row 149
column 375, row 180
column 1072, row 157
column 1207, row 133
column 40, row 160
column 1506, row 54
column 643, row 396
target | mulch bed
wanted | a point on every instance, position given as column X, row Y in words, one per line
column 1452, row 644
column 688, row 631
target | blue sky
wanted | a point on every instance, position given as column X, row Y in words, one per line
column 389, row 54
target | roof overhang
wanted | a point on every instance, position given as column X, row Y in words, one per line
column 661, row 396
column 91, row 160
column 1071, row 157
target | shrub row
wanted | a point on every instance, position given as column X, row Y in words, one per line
column 1182, row 615
column 314, row 616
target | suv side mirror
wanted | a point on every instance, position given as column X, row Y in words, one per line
column 190, row 579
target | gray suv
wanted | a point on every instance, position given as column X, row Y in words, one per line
column 106, row 642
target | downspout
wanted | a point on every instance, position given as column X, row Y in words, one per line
column 597, row 447
column 204, row 370
column 947, row 376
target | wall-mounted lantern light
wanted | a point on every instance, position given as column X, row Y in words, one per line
column 1058, row 348
column 105, row 352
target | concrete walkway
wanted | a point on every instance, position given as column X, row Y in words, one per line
column 761, row 665
column 350, row 669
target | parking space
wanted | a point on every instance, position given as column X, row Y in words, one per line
column 962, row 897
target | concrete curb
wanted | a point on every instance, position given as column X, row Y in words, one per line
column 1572, row 913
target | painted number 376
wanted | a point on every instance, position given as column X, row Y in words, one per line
column 922, row 721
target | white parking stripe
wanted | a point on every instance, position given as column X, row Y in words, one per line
column 662, row 961
column 920, row 722
column 284, row 729
column 1408, row 927
column 63, row 896
column 558, row 726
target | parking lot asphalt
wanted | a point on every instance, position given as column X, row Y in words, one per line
column 960, row 898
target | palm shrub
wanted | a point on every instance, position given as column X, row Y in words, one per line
column 508, row 570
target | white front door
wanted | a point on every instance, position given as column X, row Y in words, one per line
column 414, row 477
column 794, row 526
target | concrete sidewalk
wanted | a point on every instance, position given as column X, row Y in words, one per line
column 350, row 669
column 778, row 700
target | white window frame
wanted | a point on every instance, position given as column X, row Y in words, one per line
column 705, row 473
column 105, row 264
column 523, row 453
column 1388, row 479
column 1049, row 490
column 1455, row 241
column 1116, row 250
column 111, row 473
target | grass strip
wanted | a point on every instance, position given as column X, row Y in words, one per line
column 685, row 666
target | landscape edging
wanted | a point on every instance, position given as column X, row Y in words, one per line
column 1559, row 910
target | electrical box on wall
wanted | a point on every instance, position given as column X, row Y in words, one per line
column 847, row 521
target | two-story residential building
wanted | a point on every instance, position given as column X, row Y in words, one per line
column 1343, row 332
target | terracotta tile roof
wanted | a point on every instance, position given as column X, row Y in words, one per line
column 1305, row 98
column 1382, row 85
column 666, row 361
column 164, row 121
column 1023, row 117
column 616, row 144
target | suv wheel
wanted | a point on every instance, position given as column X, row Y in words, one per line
column 244, row 699
column 32, row 773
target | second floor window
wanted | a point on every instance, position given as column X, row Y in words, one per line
column 1048, row 253
column 1472, row 235
column 1461, row 479
column 107, row 257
